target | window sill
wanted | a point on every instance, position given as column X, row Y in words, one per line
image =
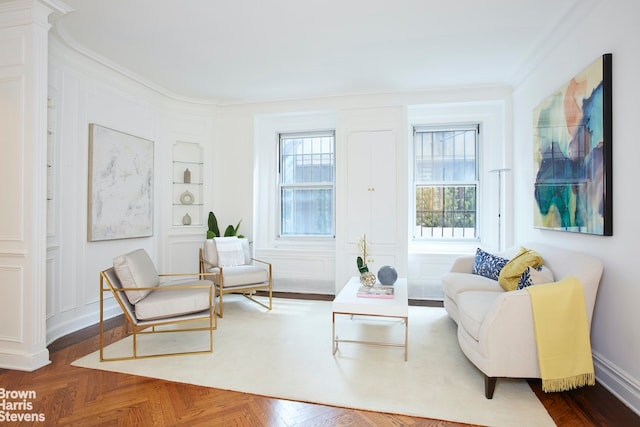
column 319, row 244
column 444, row 248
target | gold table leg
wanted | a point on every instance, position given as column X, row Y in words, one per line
column 336, row 341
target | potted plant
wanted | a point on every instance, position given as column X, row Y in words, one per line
column 214, row 231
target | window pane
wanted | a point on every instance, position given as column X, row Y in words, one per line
column 307, row 164
column 445, row 155
column 445, row 182
column 307, row 159
column 446, row 211
column 307, row 211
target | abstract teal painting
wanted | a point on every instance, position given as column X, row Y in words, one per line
column 572, row 154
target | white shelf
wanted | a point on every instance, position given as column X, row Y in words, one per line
column 187, row 155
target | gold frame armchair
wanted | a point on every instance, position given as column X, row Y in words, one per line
column 150, row 306
column 235, row 271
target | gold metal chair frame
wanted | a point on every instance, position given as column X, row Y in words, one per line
column 248, row 291
column 136, row 327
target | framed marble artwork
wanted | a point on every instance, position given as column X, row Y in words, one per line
column 120, row 199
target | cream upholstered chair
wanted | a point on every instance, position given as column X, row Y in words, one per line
column 149, row 306
column 235, row 271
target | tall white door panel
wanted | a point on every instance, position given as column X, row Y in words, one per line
column 371, row 187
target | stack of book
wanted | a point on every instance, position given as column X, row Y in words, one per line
column 375, row 292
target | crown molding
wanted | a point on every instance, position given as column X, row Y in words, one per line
column 72, row 44
column 550, row 41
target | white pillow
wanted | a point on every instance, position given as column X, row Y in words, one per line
column 210, row 253
column 230, row 252
column 136, row 270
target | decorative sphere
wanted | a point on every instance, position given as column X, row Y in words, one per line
column 387, row 275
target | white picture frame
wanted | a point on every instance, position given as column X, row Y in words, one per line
column 120, row 196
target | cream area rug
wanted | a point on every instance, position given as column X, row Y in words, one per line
column 286, row 353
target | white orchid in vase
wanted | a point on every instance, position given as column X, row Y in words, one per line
column 366, row 277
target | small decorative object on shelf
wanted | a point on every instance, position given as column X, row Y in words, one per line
column 187, row 176
column 186, row 220
column 387, row 275
column 187, row 198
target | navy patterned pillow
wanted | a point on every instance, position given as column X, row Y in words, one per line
column 488, row 265
column 535, row 276
column 525, row 280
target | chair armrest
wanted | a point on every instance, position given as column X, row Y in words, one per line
column 210, row 264
column 261, row 261
column 182, row 287
column 267, row 264
column 179, row 274
column 152, row 288
column 200, row 275
column 163, row 288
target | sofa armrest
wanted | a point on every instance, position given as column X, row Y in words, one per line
column 463, row 264
column 507, row 338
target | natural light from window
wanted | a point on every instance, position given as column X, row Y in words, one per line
column 445, row 182
column 307, row 182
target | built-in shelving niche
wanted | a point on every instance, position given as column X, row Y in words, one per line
column 187, row 185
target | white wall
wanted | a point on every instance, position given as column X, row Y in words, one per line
column 251, row 129
column 83, row 92
column 610, row 27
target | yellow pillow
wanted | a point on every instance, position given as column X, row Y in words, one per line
column 511, row 272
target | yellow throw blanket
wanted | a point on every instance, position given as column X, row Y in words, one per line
column 562, row 335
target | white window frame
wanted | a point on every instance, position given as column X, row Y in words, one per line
column 495, row 152
column 450, row 127
column 266, row 129
column 312, row 185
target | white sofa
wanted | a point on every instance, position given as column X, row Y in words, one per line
column 495, row 327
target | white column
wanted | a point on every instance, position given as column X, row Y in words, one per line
column 23, row 183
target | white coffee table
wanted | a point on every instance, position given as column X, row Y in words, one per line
column 347, row 302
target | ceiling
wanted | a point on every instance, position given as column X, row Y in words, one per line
column 254, row 50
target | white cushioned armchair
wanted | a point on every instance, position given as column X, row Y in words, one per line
column 495, row 327
column 151, row 305
column 238, row 273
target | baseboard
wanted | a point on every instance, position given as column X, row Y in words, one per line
column 63, row 329
column 24, row 361
column 618, row 382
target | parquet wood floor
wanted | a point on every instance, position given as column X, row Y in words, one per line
column 70, row 396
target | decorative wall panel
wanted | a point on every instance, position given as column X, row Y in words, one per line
column 11, row 289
